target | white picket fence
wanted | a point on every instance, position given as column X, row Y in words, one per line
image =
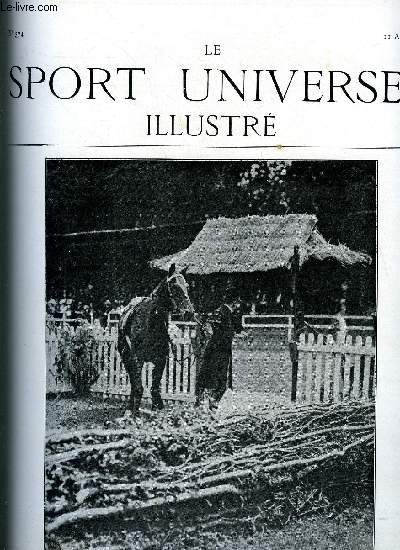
column 329, row 368
column 178, row 381
column 332, row 370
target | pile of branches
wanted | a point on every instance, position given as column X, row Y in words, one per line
column 267, row 466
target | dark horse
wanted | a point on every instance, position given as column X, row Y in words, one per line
column 143, row 334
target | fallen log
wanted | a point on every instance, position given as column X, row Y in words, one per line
column 251, row 458
column 301, row 462
column 58, row 436
column 275, row 446
column 92, row 514
column 67, row 456
column 200, row 480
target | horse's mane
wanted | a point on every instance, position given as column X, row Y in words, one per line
column 155, row 290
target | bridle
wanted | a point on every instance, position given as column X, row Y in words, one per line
column 166, row 280
column 198, row 322
column 170, row 293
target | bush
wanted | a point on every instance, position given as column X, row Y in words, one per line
column 74, row 361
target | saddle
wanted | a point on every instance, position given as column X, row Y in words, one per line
column 125, row 320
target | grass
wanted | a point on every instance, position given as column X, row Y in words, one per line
column 69, row 412
column 349, row 532
column 353, row 530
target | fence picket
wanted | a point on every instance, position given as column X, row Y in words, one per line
column 337, row 361
column 367, row 370
column 328, row 373
column 318, row 372
column 171, row 364
column 178, row 369
column 113, row 381
column 348, row 369
column 374, row 381
column 367, row 367
column 327, row 377
column 100, row 366
column 190, row 361
column 301, row 371
column 309, row 368
column 355, row 392
column 106, row 367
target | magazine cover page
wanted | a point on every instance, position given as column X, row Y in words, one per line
column 204, row 297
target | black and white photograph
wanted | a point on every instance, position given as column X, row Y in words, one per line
column 211, row 354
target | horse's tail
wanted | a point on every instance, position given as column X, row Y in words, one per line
column 124, row 325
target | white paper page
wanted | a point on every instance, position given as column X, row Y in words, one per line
column 164, row 39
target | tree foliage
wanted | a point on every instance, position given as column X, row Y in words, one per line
column 101, row 194
column 74, row 363
column 169, row 201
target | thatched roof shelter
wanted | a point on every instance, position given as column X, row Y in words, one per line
column 257, row 243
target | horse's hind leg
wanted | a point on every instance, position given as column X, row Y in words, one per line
column 136, row 387
column 157, row 402
column 133, row 367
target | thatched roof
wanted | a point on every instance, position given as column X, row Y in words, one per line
column 257, row 243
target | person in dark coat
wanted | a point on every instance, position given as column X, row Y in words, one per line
column 215, row 370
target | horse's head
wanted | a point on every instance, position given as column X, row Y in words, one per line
column 177, row 288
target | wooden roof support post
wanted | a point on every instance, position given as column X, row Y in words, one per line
column 295, row 268
column 294, row 354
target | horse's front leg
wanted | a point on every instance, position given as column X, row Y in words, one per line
column 134, row 369
column 159, row 365
column 137, row 387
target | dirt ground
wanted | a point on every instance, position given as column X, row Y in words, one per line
column 70, row 412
